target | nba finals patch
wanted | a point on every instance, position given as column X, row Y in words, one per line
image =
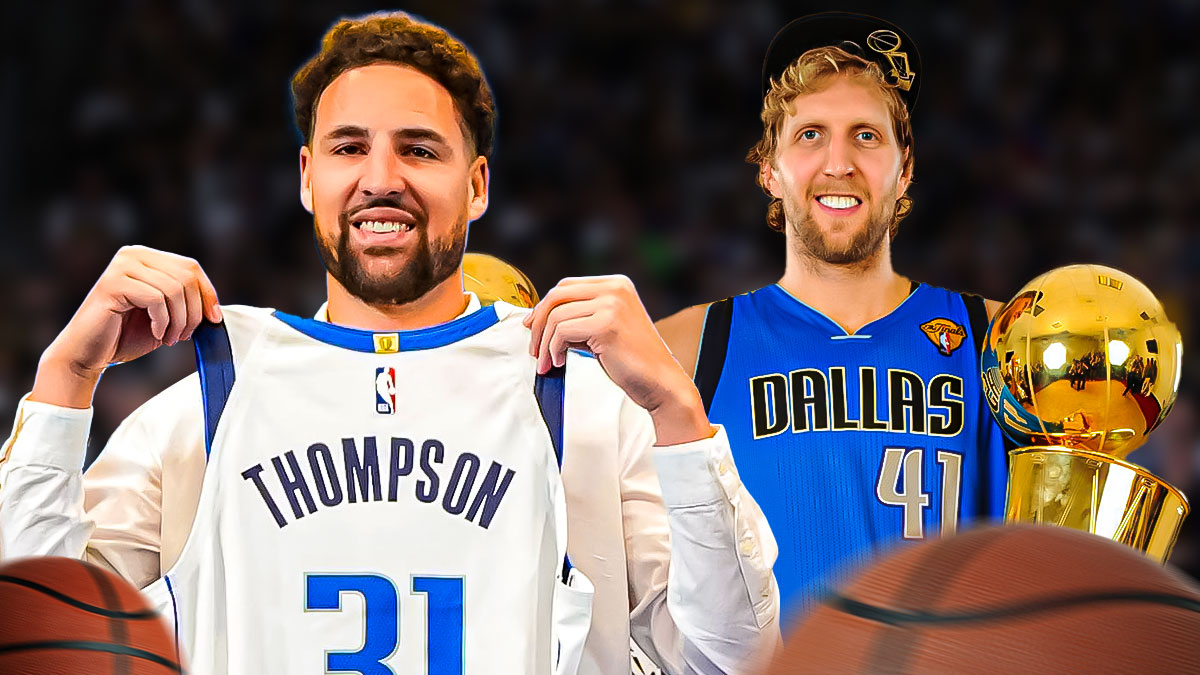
column 386, row 343
column 945, row 335
column 385, row 391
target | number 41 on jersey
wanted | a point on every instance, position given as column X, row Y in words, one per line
column 901, row 484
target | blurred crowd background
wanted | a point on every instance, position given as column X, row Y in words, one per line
column 1044, row 136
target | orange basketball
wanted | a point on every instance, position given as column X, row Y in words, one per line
column 59, row 615
column 1014, row 599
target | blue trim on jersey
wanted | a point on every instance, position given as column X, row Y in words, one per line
column 550, row 394
column 409, row 340
column 550, row 391
column 175, row 614
column 214, row 363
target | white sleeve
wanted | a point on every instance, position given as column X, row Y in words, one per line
column 41, row 482
column 704, row 597
column 112, row 514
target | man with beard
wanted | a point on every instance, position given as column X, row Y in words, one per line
column 850, row 394
column 378, row 489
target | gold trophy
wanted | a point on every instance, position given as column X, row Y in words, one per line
column 493, row 279
column 1079, row 368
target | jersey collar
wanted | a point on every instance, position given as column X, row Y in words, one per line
column 793, row 305
column 473, row 320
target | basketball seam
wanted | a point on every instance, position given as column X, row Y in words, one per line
column 57, row 595
column 117, row 632
column 82, row 645
column 896, row 650
column 900, row 617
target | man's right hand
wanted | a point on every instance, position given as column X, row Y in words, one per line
column 144, row 299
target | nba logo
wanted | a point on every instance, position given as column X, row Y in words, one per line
column 385, row 391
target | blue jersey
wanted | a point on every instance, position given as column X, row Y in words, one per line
column 853, row 443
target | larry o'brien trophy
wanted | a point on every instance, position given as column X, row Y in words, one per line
column 493, row 279
column 1079, row 368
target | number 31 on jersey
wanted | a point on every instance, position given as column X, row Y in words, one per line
column 381, row 630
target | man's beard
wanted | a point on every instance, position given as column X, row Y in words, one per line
column 428, row 264
column 811, row 242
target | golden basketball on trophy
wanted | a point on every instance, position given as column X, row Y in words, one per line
column 493, row 279
column 1078, row 369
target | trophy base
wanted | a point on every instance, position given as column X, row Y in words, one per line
column 1097, row 493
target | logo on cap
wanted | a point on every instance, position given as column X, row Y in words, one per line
column 887, row 42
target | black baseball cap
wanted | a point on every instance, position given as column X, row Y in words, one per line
column 869, row 37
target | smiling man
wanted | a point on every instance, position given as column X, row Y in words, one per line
column 375, row 237
column 850, row 394
column 390, row 487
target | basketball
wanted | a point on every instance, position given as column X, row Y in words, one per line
column 1033, row 599
column 66, row 616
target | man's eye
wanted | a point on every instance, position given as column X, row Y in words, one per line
column 868, row 136
column 809, row 135
column 423, row 153
column 347, row 150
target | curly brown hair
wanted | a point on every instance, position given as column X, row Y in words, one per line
column 399, row 38
column 807, row 74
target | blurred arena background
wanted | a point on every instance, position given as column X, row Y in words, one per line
column 1044, row 136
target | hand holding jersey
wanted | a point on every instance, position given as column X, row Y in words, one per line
column 143, row 300
column 604, row 316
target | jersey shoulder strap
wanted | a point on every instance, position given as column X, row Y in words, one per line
column 550, row 392
column 714, row 344
column 214, row 363
column 977, row 313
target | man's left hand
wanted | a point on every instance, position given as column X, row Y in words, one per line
column 605, row 316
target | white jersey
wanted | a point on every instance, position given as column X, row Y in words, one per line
column 373, row 503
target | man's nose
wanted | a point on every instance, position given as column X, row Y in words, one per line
column 383, row 173
column 839, row 160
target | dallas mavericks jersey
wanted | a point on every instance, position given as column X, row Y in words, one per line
column 372, row 503
column 851, row 443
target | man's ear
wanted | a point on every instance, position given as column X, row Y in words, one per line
column 479, row 177
column 770, row 182
column 306, row 178
column 905, row 176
